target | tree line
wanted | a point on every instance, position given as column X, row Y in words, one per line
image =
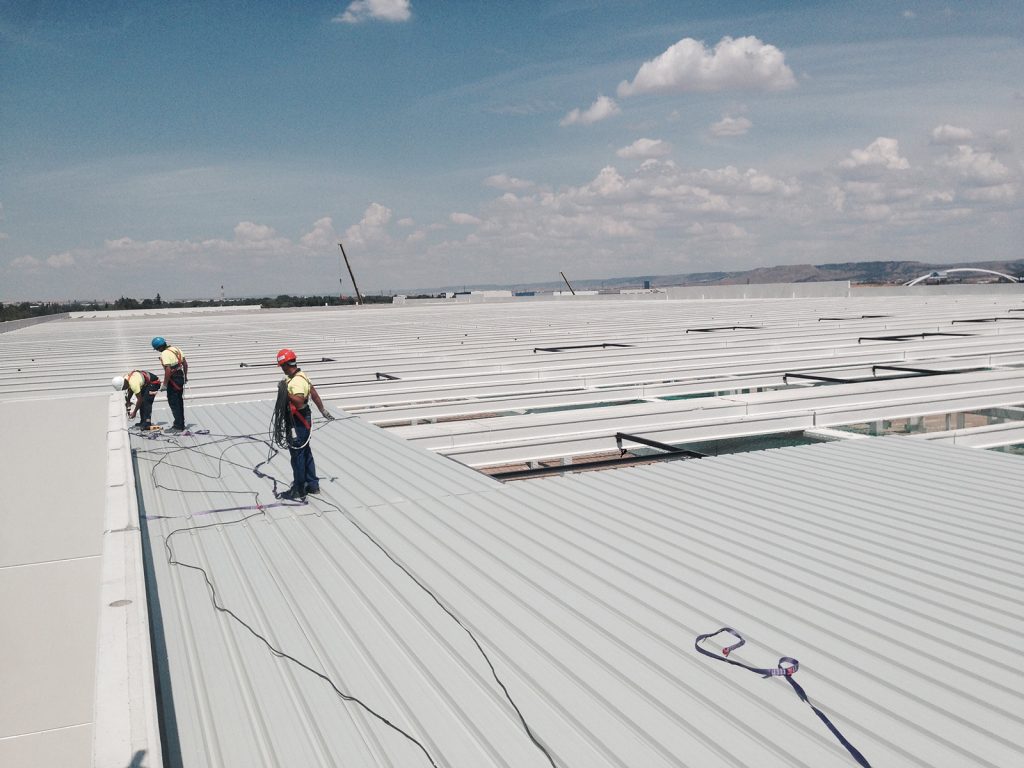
column 26, row 309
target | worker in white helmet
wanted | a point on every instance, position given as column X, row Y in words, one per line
column 143, row 385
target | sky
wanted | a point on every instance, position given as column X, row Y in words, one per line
column 176, row 147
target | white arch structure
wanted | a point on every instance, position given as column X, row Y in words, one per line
column 947, row 272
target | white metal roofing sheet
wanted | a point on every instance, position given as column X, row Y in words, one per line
column 891, row 569
column 469, row 362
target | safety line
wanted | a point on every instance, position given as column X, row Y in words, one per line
column 787, row 667
column 447, row 610
column 261, row 512
column 273, row 451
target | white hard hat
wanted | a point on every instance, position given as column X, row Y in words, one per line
column 117, row 382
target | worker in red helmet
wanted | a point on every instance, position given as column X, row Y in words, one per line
column 293, row 410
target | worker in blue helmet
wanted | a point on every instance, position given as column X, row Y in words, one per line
column 175, row 375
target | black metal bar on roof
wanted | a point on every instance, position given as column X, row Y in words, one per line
column 558, row 469
column 810, row 377
column 989, row 319
column 578, row 346
column 908, row 336
column 274, row 365
column 620, row 436
column 924, row 371
column 916, row 371
column 863, row 316
column 387, row 376
column 725, row 328
column 905, row 373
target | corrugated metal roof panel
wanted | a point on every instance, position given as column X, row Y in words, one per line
column 890, row 568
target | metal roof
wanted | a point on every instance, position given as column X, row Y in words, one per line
column 890, row 568
column 474, row 381
column 879, row 565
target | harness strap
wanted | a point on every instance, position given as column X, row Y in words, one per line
column 298, row 414
column 786, row 668
column 148, row 379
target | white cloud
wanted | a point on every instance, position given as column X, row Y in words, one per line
column 406, row 222
column 59, row 260
column 951, row 134
column 321, row 236
column 645, row 148
column 751, row 181
column 731, row 126
column 463, row 218
column 379, row 10
column 248, row 232
column 25, row 262
column 981, row 168
column 505, row 182
column 371, row 227
column 601, row 109
column 998, row 193
column 743, row 63
column 908, row 14
column 881, row 153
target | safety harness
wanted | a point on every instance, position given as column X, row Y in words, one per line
column 176, row 367
column 297, row 413
column 149, row 379
column 786, row 668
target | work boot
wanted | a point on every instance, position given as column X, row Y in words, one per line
column 293, row 494
column 315, row 490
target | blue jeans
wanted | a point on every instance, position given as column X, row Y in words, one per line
column 303, row 468
column 176, row 397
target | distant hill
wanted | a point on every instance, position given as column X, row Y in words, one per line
column 864, row 273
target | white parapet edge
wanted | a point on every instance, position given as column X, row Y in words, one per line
column 126, row 723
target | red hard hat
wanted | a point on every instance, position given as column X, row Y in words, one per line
column 285, row 356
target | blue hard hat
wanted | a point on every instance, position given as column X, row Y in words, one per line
column 158, row 341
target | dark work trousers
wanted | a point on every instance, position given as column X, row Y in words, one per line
column 146, row 398
column 176, row 396
column 303, row 468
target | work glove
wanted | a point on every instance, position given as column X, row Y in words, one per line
column 329, row 416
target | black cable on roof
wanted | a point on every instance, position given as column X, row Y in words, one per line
column 272, row 452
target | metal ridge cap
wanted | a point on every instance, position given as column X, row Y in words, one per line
column 126, row 723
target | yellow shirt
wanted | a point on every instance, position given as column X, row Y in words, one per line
column 299, row 385
column 171, row 357
column 136, row 381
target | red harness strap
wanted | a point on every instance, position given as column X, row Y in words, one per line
column 298, row 414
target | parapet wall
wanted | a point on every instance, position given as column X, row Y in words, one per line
column 13, row 325
column 970, row 289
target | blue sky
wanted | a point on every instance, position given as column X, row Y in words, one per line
column 174, row 147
